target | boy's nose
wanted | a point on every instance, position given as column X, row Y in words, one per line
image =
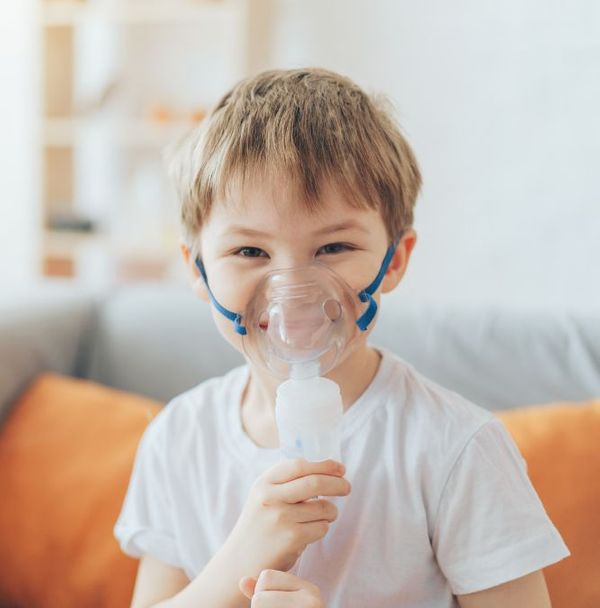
column 292, row 261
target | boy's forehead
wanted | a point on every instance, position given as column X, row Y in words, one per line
column 278, row 202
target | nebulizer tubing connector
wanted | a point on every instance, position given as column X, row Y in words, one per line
column 304, row 369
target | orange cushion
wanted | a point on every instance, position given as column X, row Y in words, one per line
column 66, row 453
column 561, row 445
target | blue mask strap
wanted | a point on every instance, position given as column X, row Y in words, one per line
column 232, row 316
column 366, row 295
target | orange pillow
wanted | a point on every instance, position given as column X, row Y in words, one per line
column 66, row 453
column 561, row 445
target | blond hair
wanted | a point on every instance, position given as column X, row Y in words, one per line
column 309, row 125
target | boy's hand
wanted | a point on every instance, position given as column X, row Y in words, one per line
column 278, row 521
column 280, row 589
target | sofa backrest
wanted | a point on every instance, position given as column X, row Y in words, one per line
column 160, row 340
column 41, row 331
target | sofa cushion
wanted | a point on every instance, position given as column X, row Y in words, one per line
column 66, row 453
column 42, row 334
column 561, row 444
column 142, row 329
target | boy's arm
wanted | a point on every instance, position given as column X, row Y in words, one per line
column 156, row 581
column 159, row 585
column 273, row 528
column 529, row 590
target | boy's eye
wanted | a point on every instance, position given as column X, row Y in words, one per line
column 333, row 248
column 250, row 252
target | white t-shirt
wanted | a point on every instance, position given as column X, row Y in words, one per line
column 440, row 504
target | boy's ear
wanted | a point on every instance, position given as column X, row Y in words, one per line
column 399, row 261
column 197, row 283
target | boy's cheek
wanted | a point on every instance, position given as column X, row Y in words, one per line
column 357, row 270
column 225, row 328
column 233, row 289
column 200, row 290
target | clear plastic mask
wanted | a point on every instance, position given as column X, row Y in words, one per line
column 300, row 321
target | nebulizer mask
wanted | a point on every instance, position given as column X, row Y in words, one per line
column 299, row 324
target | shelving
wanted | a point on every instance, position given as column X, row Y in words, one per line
column 121, row 79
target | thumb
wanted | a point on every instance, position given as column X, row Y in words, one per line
column 247, row 585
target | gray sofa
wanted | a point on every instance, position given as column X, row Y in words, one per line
column 158, row 340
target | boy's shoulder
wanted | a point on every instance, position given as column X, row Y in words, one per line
column 205, row 393
column 433, row 426
column 425, row 405
column 201, row 407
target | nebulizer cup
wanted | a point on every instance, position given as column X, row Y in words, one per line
column 300, row 323
column 309, row 413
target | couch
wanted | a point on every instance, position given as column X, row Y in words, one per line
column 90, row 356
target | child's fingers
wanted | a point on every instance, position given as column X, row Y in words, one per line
column 294, row 468
column 305, row 488
column 313, row 510
column 278, row 599
column 275, row 580
column 247, row 585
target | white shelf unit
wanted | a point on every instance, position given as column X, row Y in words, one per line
column 121, row 80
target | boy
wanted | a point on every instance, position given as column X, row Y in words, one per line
column 433, row 508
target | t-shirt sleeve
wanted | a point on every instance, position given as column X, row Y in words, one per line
column 491, row 526
column 146, row 522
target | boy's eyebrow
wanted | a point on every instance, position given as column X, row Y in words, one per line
column 348, row 225
column 243, row 231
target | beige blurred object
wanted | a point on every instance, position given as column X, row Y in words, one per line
column 102, row 127
column 164, row 114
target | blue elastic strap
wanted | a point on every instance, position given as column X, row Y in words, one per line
column 366, row 295
column 232, row 316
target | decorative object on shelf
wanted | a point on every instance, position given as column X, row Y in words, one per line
column 71, row 222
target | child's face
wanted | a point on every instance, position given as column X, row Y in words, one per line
column 265, row 228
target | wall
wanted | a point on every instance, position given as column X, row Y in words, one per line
column 18, row 157
column 500, row 102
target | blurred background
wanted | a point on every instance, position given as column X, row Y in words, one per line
column 499, row 101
